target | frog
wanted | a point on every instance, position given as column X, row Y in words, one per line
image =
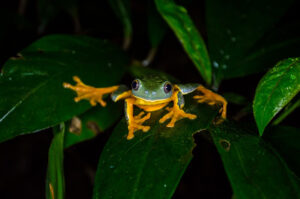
column 149, row 93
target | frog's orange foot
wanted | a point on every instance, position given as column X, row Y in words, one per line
column 212, row 98
column 176, row 114
column 133, row 127
column 141, row 117
column 94, row 95
column 136, row 124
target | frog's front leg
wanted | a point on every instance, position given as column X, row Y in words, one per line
column 176, row 113
column 212, row 98
column 207, row 96
column 134, row 122
column 90, row 93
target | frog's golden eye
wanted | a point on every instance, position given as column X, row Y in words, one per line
column 167, row 87
column 135, row 84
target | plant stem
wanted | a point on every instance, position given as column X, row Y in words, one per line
column 286, row 112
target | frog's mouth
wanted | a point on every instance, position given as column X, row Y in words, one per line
column 152, row 100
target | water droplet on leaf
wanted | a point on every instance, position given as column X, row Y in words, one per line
column 215, row 64
column 111, row 166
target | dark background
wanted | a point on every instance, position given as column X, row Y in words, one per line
column 23, row 160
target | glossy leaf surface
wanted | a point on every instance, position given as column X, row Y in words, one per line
column 275, row 90
column 31, row 92
column 288, row 110
column 151, row 164
column 254, row 168
column 182, row 25
column 55, row 181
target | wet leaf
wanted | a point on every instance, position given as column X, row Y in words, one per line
column 55, row 181
column 31, row 92
column 93, row 122
column 188, row 35
column 254, row 168
column 275, row 90
column 151, row 164
column 288, row 110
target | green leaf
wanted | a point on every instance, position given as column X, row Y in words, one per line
column 32, row 96
column 151, row 164
column 187, row 33
column 55, row 182
column 288, row 110
column 93, row 122
column 231, row 35
column 122, row 11
column 285, row 140
column 275, row 90
column 254, row 168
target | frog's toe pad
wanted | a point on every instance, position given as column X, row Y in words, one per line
column 146, row 129
column 175, row 115
column 133, row 127
column 130, row 136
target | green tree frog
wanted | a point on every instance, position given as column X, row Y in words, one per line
column 149, row 93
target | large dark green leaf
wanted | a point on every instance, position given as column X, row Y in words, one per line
column 31, row 92
column 235, row 28
column 254, row 168
column 92, row 122
column 275, row 90
column 151, row 164
column 187, row 33
column 55, row 181
column 285, row 140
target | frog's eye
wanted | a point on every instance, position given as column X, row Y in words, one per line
column 135, row 84
column 167, row 87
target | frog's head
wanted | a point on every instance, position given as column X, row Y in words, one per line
column 151, row 89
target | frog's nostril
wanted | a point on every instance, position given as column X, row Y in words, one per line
column 146, row 92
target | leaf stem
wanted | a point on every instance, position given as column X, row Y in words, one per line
column 150, row 57
column 286, row 112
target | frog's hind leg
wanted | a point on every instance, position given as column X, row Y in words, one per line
column 212, row 98
column 135, row 122
column 90, row 93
